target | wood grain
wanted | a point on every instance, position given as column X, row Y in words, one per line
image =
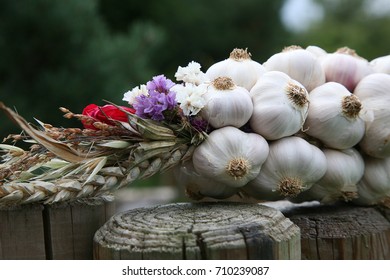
column 198, row 231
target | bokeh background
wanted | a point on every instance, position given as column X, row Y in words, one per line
column 72, row 53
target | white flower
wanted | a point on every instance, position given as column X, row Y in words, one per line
column 190, row 97
column 191, row 74
column 130, row 95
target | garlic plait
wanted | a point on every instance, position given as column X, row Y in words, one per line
column 345, row 168
column 280, row 106
column 334, row 116
column 293, row 166
column 301, row 65
column 230, row 156
column 374, row 93
column 226, row 104
column 239, row 67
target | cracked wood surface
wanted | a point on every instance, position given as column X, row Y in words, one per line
column 199, row 231
column 343, row 232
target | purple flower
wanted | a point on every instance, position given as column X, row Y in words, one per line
column 154, row 105
column 199, row 124
column 159, row 99
column 159, row 84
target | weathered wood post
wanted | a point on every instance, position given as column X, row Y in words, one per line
column 199, row 231
column 58, row 231
column 342, row 232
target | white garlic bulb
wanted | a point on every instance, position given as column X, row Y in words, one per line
column 301, row 65
column 198, row 187
column 280, row 106
column 293, row 166
column 317, row 51
column 334, row 116
column 381, row 64
column 239, row 67
column 230, row 156
column 345, row 67
column 226, row 104
column 345, row 168
column 373, row 91
column 374, row 187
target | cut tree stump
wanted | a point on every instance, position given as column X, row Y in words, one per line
column 58, row 231
column 343, row 232
column 199, row 231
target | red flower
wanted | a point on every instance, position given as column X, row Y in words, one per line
column 105, row 114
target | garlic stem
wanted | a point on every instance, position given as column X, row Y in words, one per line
column 297, row 94
column 291, row 48
column 351, row 106
column 238, row 167
column 240, row 54
column 223, row 83
column 290, row 187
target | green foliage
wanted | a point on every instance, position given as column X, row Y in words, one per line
column 349, row 23
column 60, row 53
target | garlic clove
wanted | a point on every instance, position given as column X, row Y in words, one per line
column 373, row 92
column 334, row 116
column 226, row 104
column 301, row 65
column 345, row 67
column 293, row 166
column 280, row 106
column 239, row 67
column 230, row 156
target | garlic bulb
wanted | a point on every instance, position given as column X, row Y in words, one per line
column 374, row 93
column 317, row 51
column 345, row 168
column 239, row 67
column 280, row 106
column 345, row 67
column 334, row 116
column 293, row 166
column 230, row 156
column 381, row 64
column 299, row 64
column 374, row 187
column 198, row 187
column 226, row 104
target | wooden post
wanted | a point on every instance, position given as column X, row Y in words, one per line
column 58, row 231
column 343, row 232
column 21, row 233
column 199, row 231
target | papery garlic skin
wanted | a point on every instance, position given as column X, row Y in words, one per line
column 374, row 187
column 293, row 166
column 198, row 187
column 239, row 67
column 345, row 67
column 317, row 51
column 374, row 93
column 280, row 106
column 226, row 104
column 230, row 156
column 381, row 64
column 301, row 65
column 345, row 168
column 334, row 116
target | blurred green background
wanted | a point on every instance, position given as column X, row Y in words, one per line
column 72, row 53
